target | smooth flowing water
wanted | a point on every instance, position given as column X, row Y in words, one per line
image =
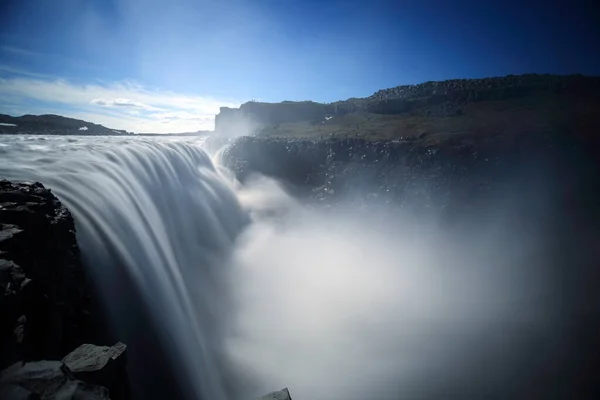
column 334, row 305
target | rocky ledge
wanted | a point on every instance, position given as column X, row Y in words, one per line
column 458, row 172
column 48, row 310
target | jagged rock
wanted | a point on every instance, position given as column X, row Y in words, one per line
column 101, row 365
column 46, row 380
column 283, row 394
column 453, row 175
column 89, row 358
column 47, row 307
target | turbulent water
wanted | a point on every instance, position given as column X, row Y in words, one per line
column 334, row 305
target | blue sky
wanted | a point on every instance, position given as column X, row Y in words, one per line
column 166, row 66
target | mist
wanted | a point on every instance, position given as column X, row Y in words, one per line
column 380, row 303
column 227, row 290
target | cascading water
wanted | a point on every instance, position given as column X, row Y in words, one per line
column 160, row 210
column 335, row 305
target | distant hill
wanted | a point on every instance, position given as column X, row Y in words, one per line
column 499, row 105
column 50, row 124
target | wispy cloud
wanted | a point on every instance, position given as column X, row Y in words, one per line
column 6, row 69
column 121, row 105
column 18, row 50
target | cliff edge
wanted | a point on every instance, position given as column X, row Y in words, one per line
column 500, row 105
column 48, row 309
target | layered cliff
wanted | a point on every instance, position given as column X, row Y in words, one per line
column 48, row 308
column 490, row 105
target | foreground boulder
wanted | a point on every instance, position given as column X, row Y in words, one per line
column 101, row 365
column 46, row 380
column 88, row 372
column 283, row 394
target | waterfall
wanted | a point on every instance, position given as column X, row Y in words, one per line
column 162, row 211
column 336, row 304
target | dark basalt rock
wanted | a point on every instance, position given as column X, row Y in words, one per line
column 47, row 307
column 46, row 380
column 412, row 171
column 434, row 99
column 101, row 365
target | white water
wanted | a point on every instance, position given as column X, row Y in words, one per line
column 333, row 305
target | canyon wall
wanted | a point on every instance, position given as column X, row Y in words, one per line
column 429, row 99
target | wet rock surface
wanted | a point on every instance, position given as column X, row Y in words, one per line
column 48, row 307
column 89, row 372
column 458, row 172
column 46, row 380
column 101, row 365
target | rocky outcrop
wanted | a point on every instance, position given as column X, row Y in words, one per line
column 429, row 99
column 101, row 365
column 514, row 85
column 413, row 172
column 89, row 372
column 47, row 307
column 46, row 380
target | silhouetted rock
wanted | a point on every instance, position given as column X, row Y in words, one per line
column 46, row 380
column 426, row 100
column 50, row 124
column 47, row 307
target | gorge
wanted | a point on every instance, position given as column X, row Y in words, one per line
column 385, row 265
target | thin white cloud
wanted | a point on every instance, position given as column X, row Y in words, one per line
column 18, row 71
column 120, row 105
column 18, row 50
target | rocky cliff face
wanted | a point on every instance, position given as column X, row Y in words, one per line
column 429, row 99
column 550, row 184
column 526, row 82
column 400, row 170
column 47, row 307
column 408, row 98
